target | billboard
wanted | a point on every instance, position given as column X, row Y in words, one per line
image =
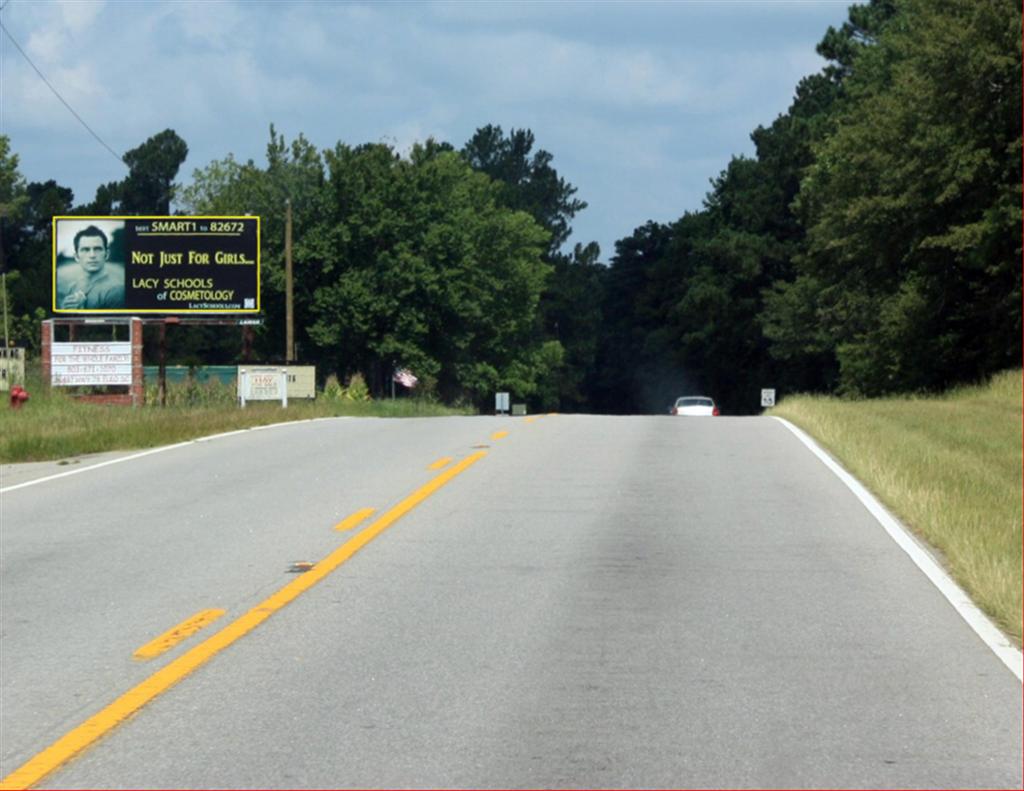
column 166, row 265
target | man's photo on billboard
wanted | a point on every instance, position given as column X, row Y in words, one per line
column 89, row 264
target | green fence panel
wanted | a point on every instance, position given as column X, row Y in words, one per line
column 178, row 374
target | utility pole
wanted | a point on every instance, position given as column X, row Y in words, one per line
column 289, row 308
column 3, row 272
column 7, row 345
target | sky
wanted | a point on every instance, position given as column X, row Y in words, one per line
column 639, row 103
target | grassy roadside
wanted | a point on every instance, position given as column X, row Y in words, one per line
column 55, row 426
column 949, row 467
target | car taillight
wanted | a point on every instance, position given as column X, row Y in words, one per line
column 673, row 411
column 715, row 412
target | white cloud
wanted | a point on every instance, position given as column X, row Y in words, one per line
column 46, row 46
column 78, row 16
column 402, row 137
column 530, row 67
column 627, row 98
column 63, row 29
column 218, row 25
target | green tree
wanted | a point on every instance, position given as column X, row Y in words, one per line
column 26, row 213
column 399, row 261
column 570, row 307
column 149, row 186
column 294, row 173
column 12, row 184
column 12, row 203
column 704, row 295
column 695, row 312
column 873, row 243
column 530, row 183
column 570, row 312
column 429, row 271
column 152, row 168
column 629, row 373
column 861, row 30
column 913, row 202
column 30, row 283
column 801, row 357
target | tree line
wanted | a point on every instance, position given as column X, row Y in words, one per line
column 871, row 245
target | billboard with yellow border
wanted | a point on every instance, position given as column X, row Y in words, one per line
column 166, row 265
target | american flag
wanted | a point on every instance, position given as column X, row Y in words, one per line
column 405, row 378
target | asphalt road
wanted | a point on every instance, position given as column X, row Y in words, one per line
column 596, row 602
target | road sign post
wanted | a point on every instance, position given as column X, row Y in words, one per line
column 501, row 403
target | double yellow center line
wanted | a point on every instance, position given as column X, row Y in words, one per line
column 101, row 723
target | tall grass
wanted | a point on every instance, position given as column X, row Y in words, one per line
column 53, row 425
column 949, row 467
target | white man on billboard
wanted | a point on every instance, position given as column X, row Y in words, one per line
column 88, row 279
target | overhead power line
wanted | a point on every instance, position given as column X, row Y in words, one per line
column 56, row 93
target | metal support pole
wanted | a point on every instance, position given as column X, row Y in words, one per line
column 247, row 339
column 289, row 307
column 162, row 373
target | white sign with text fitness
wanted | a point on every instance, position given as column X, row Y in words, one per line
column 74, row 364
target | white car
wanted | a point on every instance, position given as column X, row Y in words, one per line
column 695, row 406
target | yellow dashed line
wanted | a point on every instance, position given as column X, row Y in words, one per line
column 108, row 718
column 172, row 637
column 354, row 519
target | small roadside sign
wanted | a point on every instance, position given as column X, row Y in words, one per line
column 501, row 402
column 768, row 397
column 263, row 384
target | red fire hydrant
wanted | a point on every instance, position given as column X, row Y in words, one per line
column 18, row 396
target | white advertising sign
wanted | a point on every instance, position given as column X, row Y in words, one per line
column 12, row 367
column 263, row 384
column 74, row 364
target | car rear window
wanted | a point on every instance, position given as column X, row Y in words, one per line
column 695, row 402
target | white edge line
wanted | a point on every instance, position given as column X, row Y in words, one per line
column 161, row 449
column 992, row 636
